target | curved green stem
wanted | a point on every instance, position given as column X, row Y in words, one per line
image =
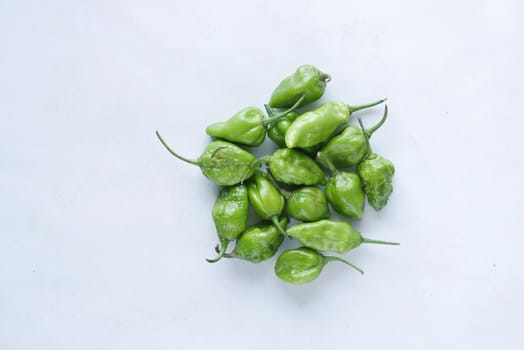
column 374, row 241
column 187, row 160
column 369, row 152
column 336, row 258
column 282, row 191
column 370, row 131
column 256, row 163
column 223, row 246
column 364, row 106
column 269, row 110
column 281, row 115
column 275, row 222
column 325, row 161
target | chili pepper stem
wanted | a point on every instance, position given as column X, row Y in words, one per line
column 281, row 115
column 369, row 152
column 254, row 165
column 223, row 247
column 275, row 222
column 374, row 241
column 269, row 110
column 332, row 168
column 336, row 258
column 370, row 131
column 187, row 160
column 364, row 106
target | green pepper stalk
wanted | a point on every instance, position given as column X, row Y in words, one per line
column 291, row 167
column 259, row 242
column 376, row 173
column 307, row 81
column 248, row 126
column 330, row 236
column 348, row 148
column 302, row 265
column 316, row 126
column 230, row 214
column 222, row 162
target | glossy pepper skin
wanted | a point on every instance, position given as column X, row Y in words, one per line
column 307, row 81
column 222, row 162
column 307, row 204
column 376, row 173
column 349, row 147
column 316, row 126
column 230, row 214
column 303, row 265
column 344, row 192
column 265, row 198
column 329, row 236
column 245, row 127
column 259, row 242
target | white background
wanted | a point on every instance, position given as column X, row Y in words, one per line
column 103, row 234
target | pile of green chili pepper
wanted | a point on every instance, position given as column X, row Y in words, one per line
column 322, row 161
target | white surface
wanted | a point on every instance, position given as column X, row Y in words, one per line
column 103, row 234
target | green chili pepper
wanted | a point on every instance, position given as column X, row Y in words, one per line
column 376, row 173
column 307, row 81
column 316, row 126
column 302, row 265
column 265, row 198
column 221, row 162
column 230, row 214
column 344, row 192
column 292, row 167
column 349, row 147
column 307, row 204
column 258, row 243
column 330, row 236
column 247, row 127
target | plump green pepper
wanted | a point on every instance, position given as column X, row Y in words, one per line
column 344, row 192
column 248, row 126
column 349, row 147
column 376, row 173
column 230, row 214
column 302, row 265
column 259, row 242
column 329, row 236
column 316, row 126
column 307, row 81
column 292, row 167
column 307, row 204
column 221, row 162
column 265, row 198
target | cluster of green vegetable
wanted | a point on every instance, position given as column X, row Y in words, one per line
column 291, row 186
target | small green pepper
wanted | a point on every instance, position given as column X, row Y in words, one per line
column 292, row 167
column 349, row 147
column 307, row 204
column 344, row 192
column 302, row 265
column 316, row 126
column 221, row 162
column 265, row 198
column 258, row 243
column 230, row 214
column 376, row 173
column 247, row 127
column 329, row 236
column 307, row 81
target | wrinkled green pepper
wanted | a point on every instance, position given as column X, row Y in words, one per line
column 307, row 81
column 329, row 236
column 302, row 265
column 344, row 192
column 259, row 242
column 316, row 126
column 307, row 204
column 292, row 167
column 248, row 126
column 376, row 173
column 349, row 147
column 265, row 198
column 221, row 162
column 230, row 214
